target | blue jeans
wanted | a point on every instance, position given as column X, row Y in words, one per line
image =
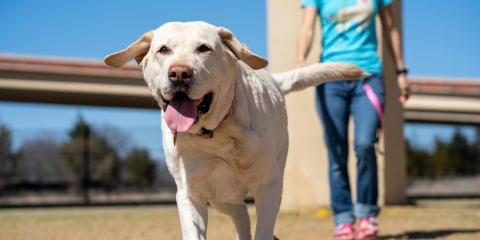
column 335, row 102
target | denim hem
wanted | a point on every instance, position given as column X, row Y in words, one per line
column 363, row 210
column 344, row 217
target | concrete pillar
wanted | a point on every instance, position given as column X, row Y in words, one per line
column 306, row 174
column 395, row 166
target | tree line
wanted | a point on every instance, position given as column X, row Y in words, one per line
column 454, row 157
column 114, row 164
column 45, row 162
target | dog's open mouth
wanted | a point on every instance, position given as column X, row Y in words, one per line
column 181, row 112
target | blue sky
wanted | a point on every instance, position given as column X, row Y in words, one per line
column 440, row 39
column 94, row 29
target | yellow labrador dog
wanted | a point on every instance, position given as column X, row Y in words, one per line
column 224, row 122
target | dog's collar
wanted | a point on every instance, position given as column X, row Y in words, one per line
column 205, row 133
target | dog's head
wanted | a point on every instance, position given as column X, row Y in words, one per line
column 190, row 69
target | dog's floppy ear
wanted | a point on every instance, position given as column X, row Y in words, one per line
column 241, row 51
column 136, row 50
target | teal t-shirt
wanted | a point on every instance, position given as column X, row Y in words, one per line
column 348, row 28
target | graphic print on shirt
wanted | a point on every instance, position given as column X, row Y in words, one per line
column 360, row 14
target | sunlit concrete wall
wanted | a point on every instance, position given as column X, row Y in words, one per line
column 306, row 173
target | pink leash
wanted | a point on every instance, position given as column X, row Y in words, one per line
column 378, row 106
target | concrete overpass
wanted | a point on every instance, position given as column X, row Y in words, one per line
column 437, row 100
column 90, row 82
column 72, row 81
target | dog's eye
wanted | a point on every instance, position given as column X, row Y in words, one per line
column 203, row 48
column 163, row 50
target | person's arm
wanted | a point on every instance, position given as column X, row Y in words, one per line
column 306, row 35
column 394, row 44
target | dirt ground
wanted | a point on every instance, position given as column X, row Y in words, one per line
column 446, row 219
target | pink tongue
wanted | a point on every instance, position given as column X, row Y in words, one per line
column 180, row 114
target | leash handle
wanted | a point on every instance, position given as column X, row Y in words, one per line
column 372, row 96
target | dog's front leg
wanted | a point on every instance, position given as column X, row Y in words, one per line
column 239, row 215
column 267, row 203
column 193, row 216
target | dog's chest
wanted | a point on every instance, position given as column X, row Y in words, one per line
column 221, row 168
column 221, row 181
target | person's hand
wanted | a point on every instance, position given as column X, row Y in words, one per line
column 300, row 64
column 404, row 86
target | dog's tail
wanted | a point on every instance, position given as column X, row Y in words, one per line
column 317, row 74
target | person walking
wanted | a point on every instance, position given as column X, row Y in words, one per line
column 349, row 36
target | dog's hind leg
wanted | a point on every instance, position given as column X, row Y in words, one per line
column 239, row 215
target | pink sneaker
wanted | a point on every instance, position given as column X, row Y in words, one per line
column 373, row 227
column 344, row 232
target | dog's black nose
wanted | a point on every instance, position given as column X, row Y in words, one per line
column 180, row 73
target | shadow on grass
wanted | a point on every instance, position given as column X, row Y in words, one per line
column 427, row 234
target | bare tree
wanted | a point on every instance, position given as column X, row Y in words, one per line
column 117, row 139
column 141, row 168
column 39, row 160
column 7, row 158
column 104, row 162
